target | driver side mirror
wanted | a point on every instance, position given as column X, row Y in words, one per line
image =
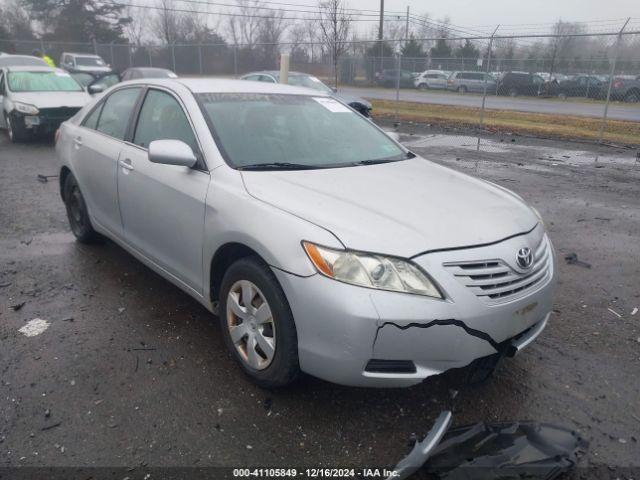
column 172, row 152
column 96, row 88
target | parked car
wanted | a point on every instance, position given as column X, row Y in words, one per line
column 146, row 72
column 265, row 202
column 431, row 79
column 463, row 82
column 389, row 78
column 309, row 81
column 21, row 60
column 96, row 83
column 581, row 86
column 84, row 62
column 626, row 89
column 36, row 100
column 517, row 83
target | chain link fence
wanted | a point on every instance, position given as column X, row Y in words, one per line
column 576, row 86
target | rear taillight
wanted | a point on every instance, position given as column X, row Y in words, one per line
column 57, row 137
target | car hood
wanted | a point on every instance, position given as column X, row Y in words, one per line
column 52, row 99
column 349, row 99
column 401, row 208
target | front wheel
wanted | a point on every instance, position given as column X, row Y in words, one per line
column 15, row 132
column 462, row 90
column 423, row 86
column 257, row 324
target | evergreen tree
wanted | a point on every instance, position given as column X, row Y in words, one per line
column 412, row 49
column 79, row 20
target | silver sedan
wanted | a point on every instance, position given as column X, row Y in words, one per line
column 322, row 244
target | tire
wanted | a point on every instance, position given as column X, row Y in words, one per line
column 632, row 97
column 562, row 96
column 281, row 368
column 462, row 90
column 423, row 86
column 15, row 133
column 77, row 212
column 513, row 92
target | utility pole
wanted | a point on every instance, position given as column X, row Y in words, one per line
column 406, row 27
column 380, row 36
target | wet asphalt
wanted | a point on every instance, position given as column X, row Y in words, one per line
column 131, row 371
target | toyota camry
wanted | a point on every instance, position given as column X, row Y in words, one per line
column 322, row 244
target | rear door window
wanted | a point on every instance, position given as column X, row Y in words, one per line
column 116, row 112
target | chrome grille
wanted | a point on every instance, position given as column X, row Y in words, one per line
column 495, row 280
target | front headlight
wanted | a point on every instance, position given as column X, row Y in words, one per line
column 371, row 270
column 26, row 108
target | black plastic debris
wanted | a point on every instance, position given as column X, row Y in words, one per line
column 509, row 451
column 45, row 178
column 572, row 259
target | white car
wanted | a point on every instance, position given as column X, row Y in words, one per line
column 432, row 79
column 36, row 100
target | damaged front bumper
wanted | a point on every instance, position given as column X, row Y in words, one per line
column 372, row 338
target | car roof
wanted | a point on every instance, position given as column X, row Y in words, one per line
column 81, row 54
column 148, row 69
column 276, row 73
column 33, row 68
column 220, row 85
column 6, row 59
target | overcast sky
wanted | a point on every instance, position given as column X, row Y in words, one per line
column 470, row 13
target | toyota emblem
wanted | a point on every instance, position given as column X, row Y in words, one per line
column 524, row 258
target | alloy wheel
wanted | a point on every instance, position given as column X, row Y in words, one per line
column 251, row 325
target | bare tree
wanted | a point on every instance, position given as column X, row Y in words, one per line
column 166, row 23
column 299, row 49
column 137, row 29
column 335, row 25
column 271, row 28
column 244, row 28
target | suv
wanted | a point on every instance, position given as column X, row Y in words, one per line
column 518, row 83
column 463, row 82
column 389, row 78
column 84, row 63
column 431, row 79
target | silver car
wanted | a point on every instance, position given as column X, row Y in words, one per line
column 323, row 245
column 432, row 79
column 473, row 82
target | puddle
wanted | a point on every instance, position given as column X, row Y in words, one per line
column 554, row 155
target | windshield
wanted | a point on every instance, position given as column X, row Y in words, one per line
column 309, row 82
column 90, row 62
column 42, row 82
column 296, row 130
column 83, row 79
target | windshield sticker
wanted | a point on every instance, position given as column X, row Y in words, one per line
column 332, row 105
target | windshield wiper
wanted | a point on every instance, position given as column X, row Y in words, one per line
column 407, row 156
column 278, row 166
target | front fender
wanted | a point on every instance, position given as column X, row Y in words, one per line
column 234, row 216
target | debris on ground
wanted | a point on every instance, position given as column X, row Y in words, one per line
column 45, row 178
column 506, row 451
column 17, row 306
column 614, row 312
column 634, row 311
column 34, row 327
column 572, row 259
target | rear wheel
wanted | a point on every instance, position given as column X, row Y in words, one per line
column 462, row 90
column 562, row 96
column 257, row 324
column 77, row 212
column 513, row 92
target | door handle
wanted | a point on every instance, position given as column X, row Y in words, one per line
column 126, row 164
column 77, row 141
